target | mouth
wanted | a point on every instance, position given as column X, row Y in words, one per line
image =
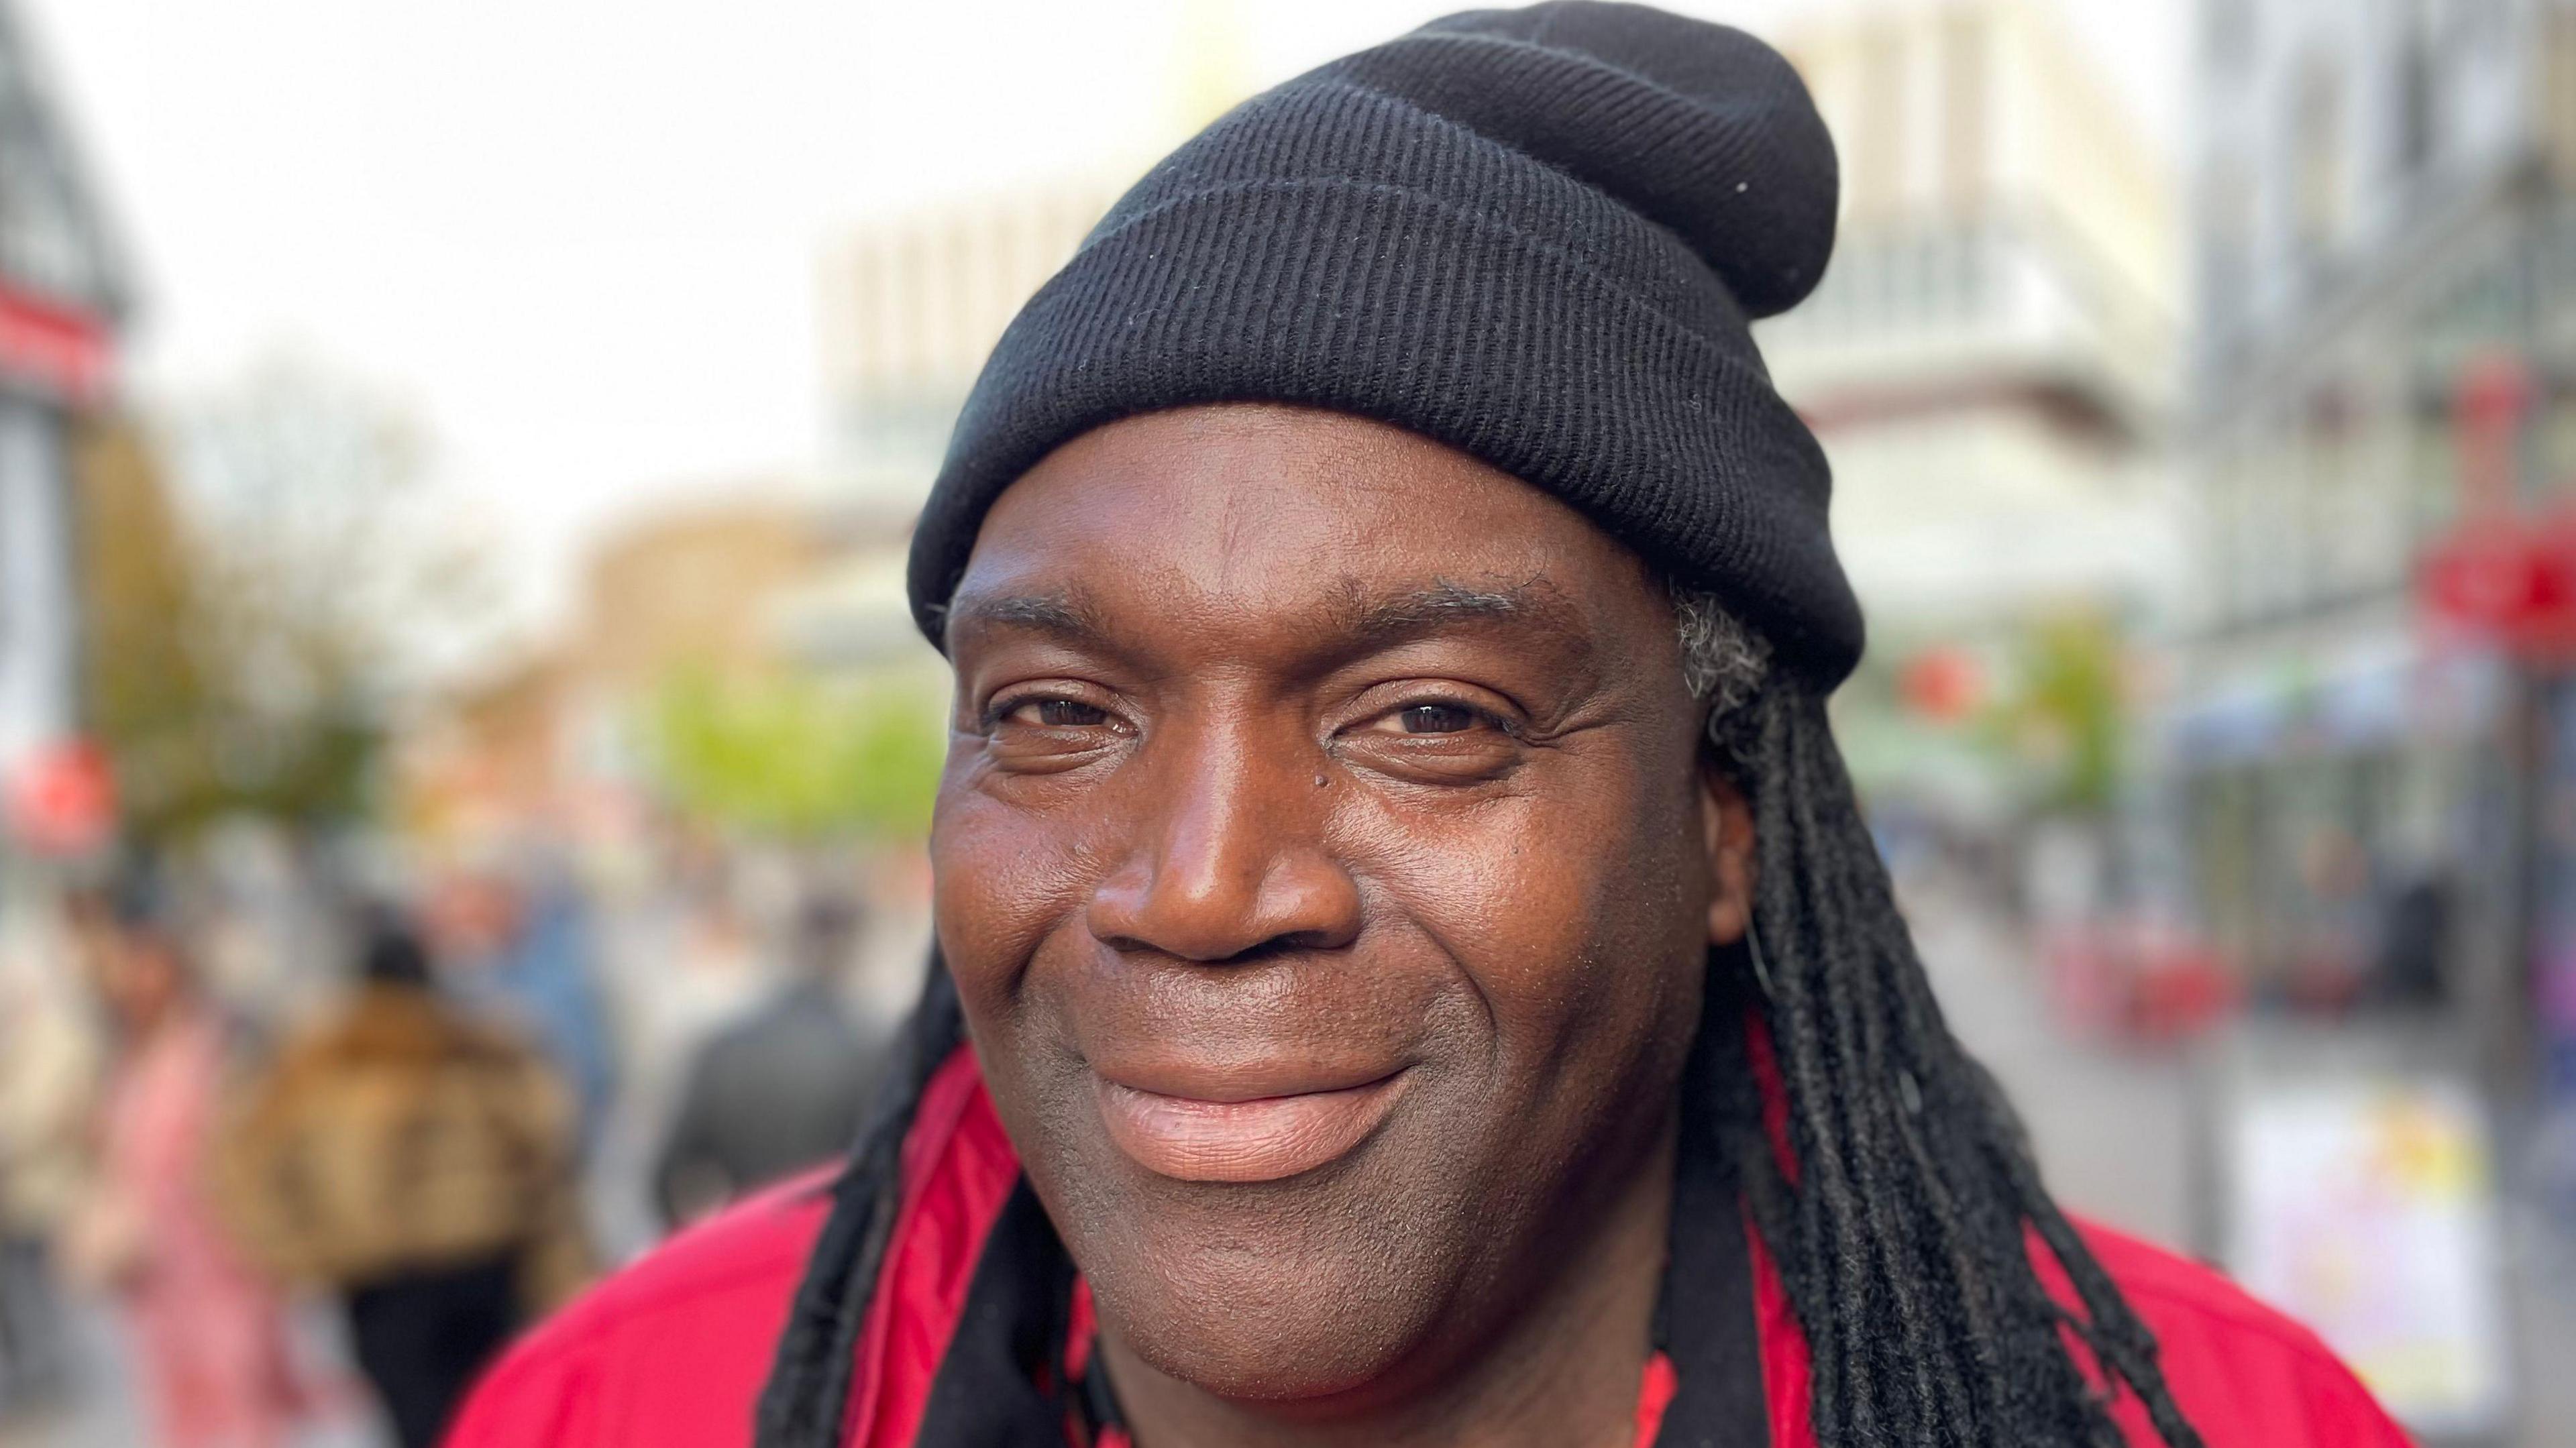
column 1250, row 1138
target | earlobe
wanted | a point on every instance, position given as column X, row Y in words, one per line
column 1726, row 828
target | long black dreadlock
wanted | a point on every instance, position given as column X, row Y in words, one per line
column 1902, row 1224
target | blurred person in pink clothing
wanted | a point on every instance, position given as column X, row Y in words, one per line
column 206, row 1332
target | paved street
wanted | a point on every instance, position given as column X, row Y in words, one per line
column 2119, row 1140
column 105, row 1413
column 2113, row 1129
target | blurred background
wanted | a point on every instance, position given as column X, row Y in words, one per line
column 462, row 743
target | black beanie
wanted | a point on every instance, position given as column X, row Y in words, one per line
column 1533, row 235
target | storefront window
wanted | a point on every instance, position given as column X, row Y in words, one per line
column 2432, row 459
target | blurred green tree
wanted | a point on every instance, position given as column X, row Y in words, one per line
column 2064, row 718
column 791, row 755
column 247, row 637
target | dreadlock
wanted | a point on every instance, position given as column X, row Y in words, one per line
column 1902, row 1217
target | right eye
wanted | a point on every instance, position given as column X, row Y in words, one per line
column 1039, row 711
column 1043, row 733
column 1056, row 714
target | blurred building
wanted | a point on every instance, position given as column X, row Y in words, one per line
column 554, row 741
column 2369, row 751
column 1989, row 364
column 62, row 296
column 692, row 590
column 911, row 306
column 913, row 302
column 709, row 679
column 2371, row 703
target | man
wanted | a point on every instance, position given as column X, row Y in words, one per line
column 780, row 1090
column 1412, row 970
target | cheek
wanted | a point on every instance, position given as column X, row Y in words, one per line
column 1575, row 911
column 1002, row 881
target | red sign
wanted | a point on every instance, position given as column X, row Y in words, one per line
column 55, row 348
column 63, row 800
column 2511, row 580
column 1942, row 683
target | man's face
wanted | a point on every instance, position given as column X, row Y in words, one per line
column 1326, row 869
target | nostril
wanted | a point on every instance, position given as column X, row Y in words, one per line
column 1260, row 952
column 1290, row 910
column 1294, row 942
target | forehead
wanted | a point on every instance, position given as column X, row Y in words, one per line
column 1252, row 515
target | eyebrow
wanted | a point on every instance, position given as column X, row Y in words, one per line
column 1365, row 622
column 1375, row 622
column 1061, row 614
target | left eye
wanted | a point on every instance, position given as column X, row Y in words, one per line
column 1056, row 714
column 1436, row 719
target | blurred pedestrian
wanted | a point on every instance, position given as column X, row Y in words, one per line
column 2335, row 949
column 522, row 945
column 417, row 1162
column 2415, row 941
column 48, row 1082
column 783, row 1089
column 206, row 1328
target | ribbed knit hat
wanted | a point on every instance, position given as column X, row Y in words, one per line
column 1536, row 236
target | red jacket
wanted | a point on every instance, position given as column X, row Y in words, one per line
column 673, row 1350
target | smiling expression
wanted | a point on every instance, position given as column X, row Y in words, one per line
column 1327, row 872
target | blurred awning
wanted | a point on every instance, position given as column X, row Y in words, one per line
column 2371, row 701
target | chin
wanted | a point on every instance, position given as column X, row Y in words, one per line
column 1268, row 1294
column 1285, row 1330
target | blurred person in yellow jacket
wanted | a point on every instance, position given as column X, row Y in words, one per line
column 48, row 1080
column 417, row 1161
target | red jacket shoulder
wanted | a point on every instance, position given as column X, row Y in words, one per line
column 2243, row 1373
column 670, row 1350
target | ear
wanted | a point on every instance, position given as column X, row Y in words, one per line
column 1726, row 834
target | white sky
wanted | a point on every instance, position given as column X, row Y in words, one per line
column 579, row 238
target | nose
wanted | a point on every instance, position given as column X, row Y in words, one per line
column 1229, row 859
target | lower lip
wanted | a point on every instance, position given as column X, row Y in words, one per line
column 1243, row 1141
